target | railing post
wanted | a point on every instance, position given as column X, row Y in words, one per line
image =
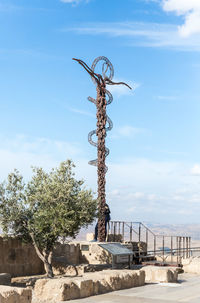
column 123, row 231
column 114, row 231
column 171, row 249
column 154, row 245
column 147, row 238
column 177, row 248
column 163, row 248
column 187, row 252
column 180, row 238
column 131, row 231
column 139, row 232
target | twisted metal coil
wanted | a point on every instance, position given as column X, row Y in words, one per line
column 107, row 73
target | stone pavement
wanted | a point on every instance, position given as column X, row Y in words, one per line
column 187, row 290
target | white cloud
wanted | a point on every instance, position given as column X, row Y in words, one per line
column 137, row 189
column 9, row 7
column 128, row 131
column 81, row 112
column 190, row 9
column 181, row 6
column 153, row 191
column 143, row 34
column 122, row 90
column 22, row 152
column 74, row 1
column 168, row 98
column 195, row 198
column 70, row 1
column 195, row 171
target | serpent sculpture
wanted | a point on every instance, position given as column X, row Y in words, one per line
column 104, row 98
column 105, row 67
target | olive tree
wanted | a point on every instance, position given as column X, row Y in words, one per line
column 49, row 206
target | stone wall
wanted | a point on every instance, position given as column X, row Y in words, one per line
column 18, row 259
column 64, row 255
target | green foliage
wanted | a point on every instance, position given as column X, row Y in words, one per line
column 49, row 206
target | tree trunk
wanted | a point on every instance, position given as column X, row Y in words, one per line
column 48, row 269
column 45, row 256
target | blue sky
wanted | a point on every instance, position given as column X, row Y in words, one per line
column 154, row 161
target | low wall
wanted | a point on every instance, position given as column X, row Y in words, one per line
column 65, row 288
column 18, row 259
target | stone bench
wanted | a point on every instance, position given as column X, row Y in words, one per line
column 64, row 288
column 156, row 274
column 10, row 294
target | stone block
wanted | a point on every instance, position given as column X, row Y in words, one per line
column 191, row 265
column 89, row 237
column 85, row 287
column 70, row 252
column 15, row 295
column 101, row 285
column 113, row 279
column 141, row 277
column 94, row 254
column 63, row 288
column 5, row 279
column 70, row 291
column 160, row 274
column 114, row 238
column 126, row 280
column 39, row 288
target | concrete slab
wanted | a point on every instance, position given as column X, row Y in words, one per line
column 187, row 290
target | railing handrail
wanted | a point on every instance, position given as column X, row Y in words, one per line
column 147, row 228
column 126, row 223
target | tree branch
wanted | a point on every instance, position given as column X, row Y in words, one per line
column 36, row 248
column 50, row 257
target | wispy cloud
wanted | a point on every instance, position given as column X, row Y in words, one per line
column 129, row 131
column 9, row 7
column 122, row 90
column 81, row 112
column 74, row 1
column 195, row 171
column 168, row 98
column 156, row 35
column 23, row 151
column 159, row 188
column 70, row 1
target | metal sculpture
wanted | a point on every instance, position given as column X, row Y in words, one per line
column 104, row 98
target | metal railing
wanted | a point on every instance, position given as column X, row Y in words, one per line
column 169, row 248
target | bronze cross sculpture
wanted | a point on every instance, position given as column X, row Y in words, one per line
column 102, row 151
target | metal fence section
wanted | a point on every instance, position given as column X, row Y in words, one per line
column 170, row 249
